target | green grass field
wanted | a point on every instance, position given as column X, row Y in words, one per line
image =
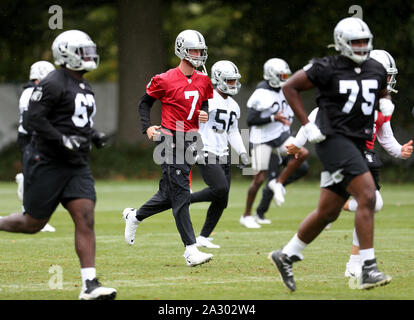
column 154, row 267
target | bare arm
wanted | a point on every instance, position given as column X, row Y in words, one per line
column 292, row 88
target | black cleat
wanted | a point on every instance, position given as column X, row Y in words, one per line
column 284, row 265
column 371, row 277
column 94, row 291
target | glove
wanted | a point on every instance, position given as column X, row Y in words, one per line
column 244, row 157
column 245, row 161
column 99, row 139
column 386, row 107
column 73, row 143
column 313, row 133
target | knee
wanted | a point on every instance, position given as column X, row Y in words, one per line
column 367, row 200
column 221, row 192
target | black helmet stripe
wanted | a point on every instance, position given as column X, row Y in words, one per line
column 389, row 58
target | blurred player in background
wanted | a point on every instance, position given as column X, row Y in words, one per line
column 56, row 162
column 220, row 130
column 269, row 118
column 184, row 93
column 38, row 71
column 346, row 121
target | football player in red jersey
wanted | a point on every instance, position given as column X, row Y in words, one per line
column 184, row 93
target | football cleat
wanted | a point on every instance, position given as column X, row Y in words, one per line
column 131, row 224
column 278, row 192
column 261, row 220
column 249, row 222
column 284, row 265
column 371, row 277
column 194, row 257
column 94, row 291
column 206, row 242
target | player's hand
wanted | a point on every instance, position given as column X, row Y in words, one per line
column 153, row 132
column 291, row 149
column 244, row 157
column 313, row 133
column 407, row 150
column 281, row 118
column 202, row 116
column 386, row 107
column 99, row 139
column 73, row 143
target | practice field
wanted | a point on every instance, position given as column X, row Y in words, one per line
column 32, row 265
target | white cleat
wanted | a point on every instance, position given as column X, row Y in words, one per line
column 48, row 228
column 20, row 185
column 194, row 257
column 206, row 242
column 131, row 224
column 249, row 222
column 353, row 270
column 261, row 221
column 328, row 226
column 278, row 192
column 94, row 291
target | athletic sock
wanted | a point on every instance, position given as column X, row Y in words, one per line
column 87, row 274
column 352, row 205
column 367, row 254
column 294, row 247
column 355, row 258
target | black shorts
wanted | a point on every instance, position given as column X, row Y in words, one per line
column 47, row 183
column 342, row 159
column 374, row 165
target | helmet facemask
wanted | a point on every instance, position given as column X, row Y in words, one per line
column 195, row 60
column 222, row 72
column 230, row 89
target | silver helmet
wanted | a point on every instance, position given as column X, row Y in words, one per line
column 40, row 69
column 223, row 71
column 276, row 71
column 348, row 30
column 76, row 50
column 388, row 62
column 191, row 39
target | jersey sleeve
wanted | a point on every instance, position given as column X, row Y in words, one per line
column 155, row 87
column 44, row 98
column 318, row 72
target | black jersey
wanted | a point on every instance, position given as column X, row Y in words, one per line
column 347, row 94
column 62, row 105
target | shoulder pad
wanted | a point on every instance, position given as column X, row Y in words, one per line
column 263, row 85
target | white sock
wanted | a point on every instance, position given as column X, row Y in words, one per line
column 87, row 274
column 191, row 248
column 355, row 258
column 294, row 247
column 355, row 240
column 352, row 205
column 367, row 254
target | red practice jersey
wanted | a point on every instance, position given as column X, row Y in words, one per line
column 180, row 97
column 380, row 119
